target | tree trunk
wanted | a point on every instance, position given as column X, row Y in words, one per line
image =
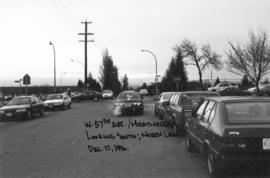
column 201, row 82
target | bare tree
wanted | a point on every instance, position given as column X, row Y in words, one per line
column 202, row 58
column 251, row 59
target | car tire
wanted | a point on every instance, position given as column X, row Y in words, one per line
column 29, row 115
column 96, row 99
column 189, row 145
column 213, row 166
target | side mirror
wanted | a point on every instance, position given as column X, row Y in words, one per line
column 34, row 102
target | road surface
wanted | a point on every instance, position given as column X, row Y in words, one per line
column 74, row 143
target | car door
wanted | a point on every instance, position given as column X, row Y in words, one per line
column 192, row 125
column 203, row 125
column 35, row 105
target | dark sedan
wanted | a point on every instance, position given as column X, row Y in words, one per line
column 86, row 95
column 230, row 130
column 179, row 103
column 129, row 102
column 23, row 106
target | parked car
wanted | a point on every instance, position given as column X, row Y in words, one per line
column 264, row 91
column 86, row 95
column 221, row 86
column 179, row 103
column 159, row 108
column 230, row 130
column 234, row 92
column 107, row 94
column 57, row 101
column 143, row 92
column 23, row 106
column 129, row 102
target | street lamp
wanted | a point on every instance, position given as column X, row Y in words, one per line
column 72, row 60
column 54, row 66
column 156, row 78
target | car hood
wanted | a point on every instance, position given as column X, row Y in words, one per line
column 4, row 108
column 53, row 101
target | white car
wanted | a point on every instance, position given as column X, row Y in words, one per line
column 54, row 101
column 221, row 86
column 107, row 94
column 261, row 86
column 143, row 92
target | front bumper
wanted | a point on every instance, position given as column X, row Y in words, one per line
column 14, row 114
column 52, row 106
column 131, row 109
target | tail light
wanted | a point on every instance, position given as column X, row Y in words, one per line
column 233, row 143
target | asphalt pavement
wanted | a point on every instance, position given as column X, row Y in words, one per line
column 88, row 140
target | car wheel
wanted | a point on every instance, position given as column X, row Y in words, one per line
column 29, row 115
column 95, row 99
column 63, row 106
column 189, row 145
column 41, row 112
column 212, row 165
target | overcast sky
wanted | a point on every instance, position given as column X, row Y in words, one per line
column 124, row 27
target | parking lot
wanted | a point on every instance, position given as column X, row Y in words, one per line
column 88, row 140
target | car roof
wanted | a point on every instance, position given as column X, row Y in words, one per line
column 24, row 96
column 238, row 98
column 198, row 92
column 128, row 91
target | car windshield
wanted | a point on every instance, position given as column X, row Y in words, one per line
column 248, row 112
column 195, row 99
column 53, row 97
column 20, row 101
column 129, row 96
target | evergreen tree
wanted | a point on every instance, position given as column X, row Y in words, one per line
column 125, row 82
column 93, row 84
column 217, row 81
column 144, row 86
column 80, row 83
column 176, row 71
column 246, row 82
column 109, row 74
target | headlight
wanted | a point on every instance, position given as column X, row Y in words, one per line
column 119, row 104
column 58, row 103
column 138, row 104
column 20, row 110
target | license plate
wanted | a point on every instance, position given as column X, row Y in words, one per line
column 266, row 143
column 8, row 114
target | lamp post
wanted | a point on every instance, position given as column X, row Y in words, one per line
column 72, row 60
column 156, row 77
column 54, row 66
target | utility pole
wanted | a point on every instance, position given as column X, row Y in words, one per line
column 85, row 50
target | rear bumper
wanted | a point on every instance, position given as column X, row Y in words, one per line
column 244, row 157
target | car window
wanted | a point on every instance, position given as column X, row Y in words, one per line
column 248, row 112
column 20, row 101
column 207, row 111
column 201, row 108
column 185, row 100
